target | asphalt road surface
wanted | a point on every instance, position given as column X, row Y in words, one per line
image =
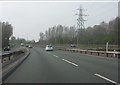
column 64, row 67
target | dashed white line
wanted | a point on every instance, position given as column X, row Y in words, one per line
column 94, row 74
column 55, row 55
column 70, row 62
column 106, row 79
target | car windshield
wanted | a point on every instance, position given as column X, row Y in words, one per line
column 49, row 46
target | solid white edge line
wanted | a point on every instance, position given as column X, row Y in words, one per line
column 70, row 62
column 106, row 79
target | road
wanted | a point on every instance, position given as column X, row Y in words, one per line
column 64, row 67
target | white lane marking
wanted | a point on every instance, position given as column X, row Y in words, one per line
column 106, row 79
column 70, row 62
column 55, row 55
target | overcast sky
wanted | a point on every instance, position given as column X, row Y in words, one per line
column 31, row 18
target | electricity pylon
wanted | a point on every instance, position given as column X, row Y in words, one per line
column 80, row 22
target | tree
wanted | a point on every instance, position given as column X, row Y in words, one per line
column 41, row 37
column 98, row 34
column 7, row 31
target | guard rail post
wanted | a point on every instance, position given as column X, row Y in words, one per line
column 107, row 54
column 98, row 53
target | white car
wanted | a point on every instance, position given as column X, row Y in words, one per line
column 72, row 45
column 49, row 48
column 30, row 46
column 22, row 44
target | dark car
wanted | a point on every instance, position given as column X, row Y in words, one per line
column 27, row 45
column 7, row 48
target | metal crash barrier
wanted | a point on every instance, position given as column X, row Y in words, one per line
column 10, row 55
column 96, row 53
column 11, row 60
